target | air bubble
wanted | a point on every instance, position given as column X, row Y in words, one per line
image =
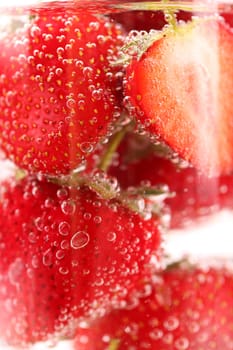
column 80, row 240
column 22, row 58
column 68, row 207
column 9, row 98
column 59, row 71
column 87, row 216
column 15, row 271
column 64, row 228
column 168, row 338
column 65, row 244
column 35, row 261
column 48, row 257
column 181, row 343
column 81, row 104
column 111, row 236
column 70, row 103
column 62, row 193
column 156, row 334
column 40, row 67
column 87, row 72
column 86, row 147
column 101, row 39
column 97, row 94
column 94, row 25
column 30, row 273
column 147, row 235
column 60, row 51
column 97, row 219
column 39, row 224
column 193, row 327
column 99, row 282
column 79, row 64
column 63, row 271
column 47, row 37
column 60, row 254
column 35, row 31
column 32, row 237
column 171, row 323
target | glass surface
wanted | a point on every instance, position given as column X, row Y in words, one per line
column 116, row 152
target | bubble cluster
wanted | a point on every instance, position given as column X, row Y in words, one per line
column 61, row 66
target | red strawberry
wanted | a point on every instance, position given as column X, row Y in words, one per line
column 67, row 253
column 192, row 310
column 181, row 89
column 146, row 20
column 138, row 163
column 58, row 90
column 228, row 16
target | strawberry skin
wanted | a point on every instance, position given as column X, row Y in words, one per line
column 181, row 90
column 66, row 253
column 194, row 195
column 58, row 91
column 145, row 19
column 191, row 310
column 228, row 16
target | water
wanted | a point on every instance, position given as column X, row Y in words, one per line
column 115, row 131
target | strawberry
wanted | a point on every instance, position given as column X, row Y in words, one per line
column 58, row 90
column 138, row 163
column 145, row 19
column 67, row 253
column 140, row 20
column 181, row 89
column 191, row 310
column 228, row 16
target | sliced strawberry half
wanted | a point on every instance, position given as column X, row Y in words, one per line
column 182, row 91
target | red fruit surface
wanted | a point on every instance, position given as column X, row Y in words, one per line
column 194, row 195
column 146, row 20
column 58, row 90
column 228, row 16
column 66, row 253
column 181, row 89
column 191, row 310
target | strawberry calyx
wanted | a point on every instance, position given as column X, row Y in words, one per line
column 143, row 200
column 146, row 200
column 170, row 15
column 138, row 42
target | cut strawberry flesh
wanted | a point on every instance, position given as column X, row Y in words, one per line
column 183, row 84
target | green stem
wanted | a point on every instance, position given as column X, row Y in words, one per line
column 160, row 6
column 113, row 144
column 170, row 15
column 114, row 344
column 151, row 191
